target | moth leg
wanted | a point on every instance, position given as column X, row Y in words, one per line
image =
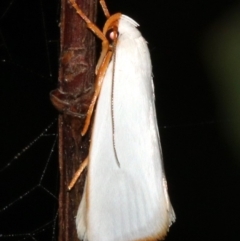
column 98, row 84
column 104, row 8
column 90, row 25
column 78, row 173
column 105, row 46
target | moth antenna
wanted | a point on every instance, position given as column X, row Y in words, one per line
column 112, row 104
column 104, row 8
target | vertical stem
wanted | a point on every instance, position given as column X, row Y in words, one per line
column 76, row 78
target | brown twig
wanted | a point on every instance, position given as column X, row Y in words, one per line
column 72, row 98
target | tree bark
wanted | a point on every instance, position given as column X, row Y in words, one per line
column 72, row 98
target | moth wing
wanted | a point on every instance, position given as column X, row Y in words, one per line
column 129, row 202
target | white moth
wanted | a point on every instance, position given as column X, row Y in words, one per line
column 125, row 196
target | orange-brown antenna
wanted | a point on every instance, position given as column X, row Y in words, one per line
column 104, row 8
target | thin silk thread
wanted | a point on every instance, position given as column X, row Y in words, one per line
column 112, row 104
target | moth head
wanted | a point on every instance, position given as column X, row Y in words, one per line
column 110, row 29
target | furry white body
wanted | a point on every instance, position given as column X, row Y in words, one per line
column 127, row 202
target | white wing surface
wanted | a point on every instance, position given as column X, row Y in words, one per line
column 127, row 202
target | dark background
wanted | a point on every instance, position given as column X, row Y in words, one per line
column 195, row 50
